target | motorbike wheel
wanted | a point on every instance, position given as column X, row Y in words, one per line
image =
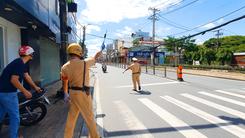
column 38, row 111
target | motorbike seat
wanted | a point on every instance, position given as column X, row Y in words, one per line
column 22, row 98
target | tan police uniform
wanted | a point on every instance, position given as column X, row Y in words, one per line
column 79, row 100
column 136, row 70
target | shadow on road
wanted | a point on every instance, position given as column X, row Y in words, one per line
column 142, row 92
column 234, row 121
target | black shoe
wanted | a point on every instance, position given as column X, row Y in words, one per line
column 134, row 90
column 139, row 88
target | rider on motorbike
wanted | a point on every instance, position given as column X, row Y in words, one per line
column 10, row 81
column 104, row 66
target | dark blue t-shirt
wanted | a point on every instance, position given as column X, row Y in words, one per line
column 16, row 67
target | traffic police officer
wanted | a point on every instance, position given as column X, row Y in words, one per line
column 80, row 99
column 136, row 71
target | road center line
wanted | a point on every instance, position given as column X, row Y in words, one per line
column 150, row 84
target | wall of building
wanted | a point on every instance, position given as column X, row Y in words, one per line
column 12, row 40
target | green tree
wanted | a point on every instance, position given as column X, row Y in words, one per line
column 208, row 55
column 224, row 55
column 135, row 42
column 211, row 43
column 188, row 57
column 187, row 44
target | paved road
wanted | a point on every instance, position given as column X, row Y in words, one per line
column 167, row 108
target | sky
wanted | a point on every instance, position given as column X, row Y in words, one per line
column 176, row 18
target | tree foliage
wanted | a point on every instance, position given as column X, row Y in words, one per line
column 224, row 55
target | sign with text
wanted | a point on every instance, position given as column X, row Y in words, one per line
column 145, row 54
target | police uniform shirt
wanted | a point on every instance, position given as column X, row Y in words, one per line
column 136, row 67
column 74, row 70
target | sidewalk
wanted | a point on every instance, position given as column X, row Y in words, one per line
column 210, row 73
column 53, row 125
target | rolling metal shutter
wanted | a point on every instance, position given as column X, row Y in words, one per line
column 49, row 61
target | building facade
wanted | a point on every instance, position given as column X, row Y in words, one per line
column 35, row 23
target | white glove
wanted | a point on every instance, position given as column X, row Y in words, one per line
column 66, row 97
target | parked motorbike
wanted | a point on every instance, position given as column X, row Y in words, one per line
column 31, row 110
column 104, row 67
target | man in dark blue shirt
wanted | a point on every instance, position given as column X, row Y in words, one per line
column 10, row 80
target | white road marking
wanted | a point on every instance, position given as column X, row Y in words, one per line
column 229, row 93
column 175, row 122
column 133, row 123
column 99, row 110
column 150, row 84
column 223, row 98
column 217, row 106
column 210, row 118
column 238, row 90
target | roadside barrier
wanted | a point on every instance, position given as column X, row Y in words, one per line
column 179, row 73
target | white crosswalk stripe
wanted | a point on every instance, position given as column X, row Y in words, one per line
column 217, row 106
column 188, row 132
column 210, row 118
column 223, row 98
column 139, row 130
column 132, row 122
column 232, row 94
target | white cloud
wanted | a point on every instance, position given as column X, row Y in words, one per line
column 220, row 20
column 210, row 25
column 102, row 11
column 200, row 43
column 126, row 31
column 160, row 30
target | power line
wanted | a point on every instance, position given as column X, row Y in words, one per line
column 180, row 7
column 209, row 22
column 161, row 3
column 164, row 20
column 229, row 31
column 211, row 10
column 174, row 4
column 203, row 32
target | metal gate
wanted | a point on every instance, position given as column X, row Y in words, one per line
column 49, row 61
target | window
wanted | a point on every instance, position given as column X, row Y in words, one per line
column 1, row 51
column 57, row 8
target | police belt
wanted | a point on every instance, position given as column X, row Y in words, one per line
column 136, row 73
column 80, row 88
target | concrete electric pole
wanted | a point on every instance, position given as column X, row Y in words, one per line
column 153, row 38
column 63, row 32
column 218, row 34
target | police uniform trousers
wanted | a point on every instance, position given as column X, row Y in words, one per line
column 136, row 78
column 80, row 102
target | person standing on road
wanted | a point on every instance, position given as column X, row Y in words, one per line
column 136, row 71
column 10, row 80
column 80, row 97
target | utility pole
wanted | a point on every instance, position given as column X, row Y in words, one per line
column 218, row 38
column 63, row 32
column 153, row 35
column 83, row 46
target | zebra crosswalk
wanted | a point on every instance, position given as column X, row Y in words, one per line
column 138, row 128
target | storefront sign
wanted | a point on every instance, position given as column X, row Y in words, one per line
column 145, row 54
